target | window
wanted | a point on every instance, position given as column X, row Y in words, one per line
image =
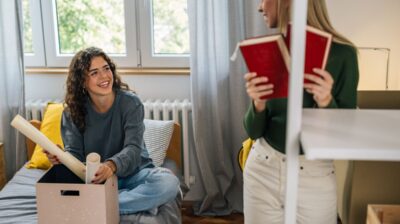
column 147, row 33
column 33, row 38
column 28, row 45
column 71, row 25
column 168, row 35
column 81, row 24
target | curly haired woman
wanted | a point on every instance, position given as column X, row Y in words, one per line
column 102, row 115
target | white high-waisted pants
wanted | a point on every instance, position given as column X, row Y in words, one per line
column 264, row 188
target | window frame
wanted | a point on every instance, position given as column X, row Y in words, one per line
column 37, row 58
column 54, row 59
column 138, row 36
column 146, row 42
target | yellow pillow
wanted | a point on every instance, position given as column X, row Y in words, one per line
column 244, row 152
column 51, row 127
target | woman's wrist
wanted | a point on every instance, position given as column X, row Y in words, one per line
column 111, row 165
column 259, row 105
column 325, row 102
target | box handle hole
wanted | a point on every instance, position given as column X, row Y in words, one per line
column 69, row 193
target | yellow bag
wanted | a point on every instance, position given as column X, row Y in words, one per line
column 244, row 152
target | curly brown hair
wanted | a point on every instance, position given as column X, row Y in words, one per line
column 76, row 95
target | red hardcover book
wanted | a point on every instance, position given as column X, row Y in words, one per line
column 318, row 44
column 268, row 56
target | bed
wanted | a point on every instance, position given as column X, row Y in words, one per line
column 18, row 197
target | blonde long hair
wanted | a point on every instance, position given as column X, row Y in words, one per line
column 317, row 16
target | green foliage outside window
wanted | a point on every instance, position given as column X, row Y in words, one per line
column 170, row 27
column 85, row 23
column 27, row 23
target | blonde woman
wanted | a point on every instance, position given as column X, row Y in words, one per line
column 265, row 120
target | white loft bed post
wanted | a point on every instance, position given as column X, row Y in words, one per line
column 295, row 103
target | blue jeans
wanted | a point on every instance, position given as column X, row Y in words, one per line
column 146, row 190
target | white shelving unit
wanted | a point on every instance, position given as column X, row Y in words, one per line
column 330, row 134
column 295, row 102
column 351, row 134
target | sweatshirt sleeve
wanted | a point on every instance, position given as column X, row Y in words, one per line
column 129, row 158
column 254, row 122
column 72, row 138
column 345, row 88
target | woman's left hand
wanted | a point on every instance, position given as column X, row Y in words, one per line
column 103, row 173
column 320, row 87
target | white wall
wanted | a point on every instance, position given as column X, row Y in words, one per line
column 371, row 23
column 366, row 22
column 146, row 86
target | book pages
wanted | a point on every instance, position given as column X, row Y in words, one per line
column 76, row 166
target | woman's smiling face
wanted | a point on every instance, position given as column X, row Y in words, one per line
column 99, row 80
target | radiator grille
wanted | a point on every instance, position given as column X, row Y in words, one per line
column 35, row 108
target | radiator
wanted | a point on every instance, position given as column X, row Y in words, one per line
column 35, row 108
column 179, row 111
column 176, row 110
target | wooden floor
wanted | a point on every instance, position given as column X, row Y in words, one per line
column 189, row 218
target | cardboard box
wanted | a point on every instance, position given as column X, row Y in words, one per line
column 383, row 214
column 64, row 198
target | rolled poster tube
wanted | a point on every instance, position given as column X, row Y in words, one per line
column 92, row 165
column 72, row 163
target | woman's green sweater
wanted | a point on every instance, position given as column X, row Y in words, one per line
column 271, row 123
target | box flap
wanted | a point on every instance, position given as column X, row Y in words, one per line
column 60, row 174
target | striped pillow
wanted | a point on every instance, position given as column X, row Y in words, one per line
column 157, row 136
